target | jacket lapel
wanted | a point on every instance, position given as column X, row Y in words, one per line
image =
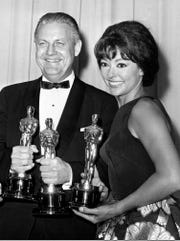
column 69, row 118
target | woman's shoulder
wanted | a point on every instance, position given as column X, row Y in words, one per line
column 139, row 108
column 147, row 105
column 148, row 113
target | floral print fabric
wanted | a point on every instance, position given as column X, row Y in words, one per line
column 157, row 221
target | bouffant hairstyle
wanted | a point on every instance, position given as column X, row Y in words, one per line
column 135, row 43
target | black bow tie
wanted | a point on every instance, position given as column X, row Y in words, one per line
column 51, row 85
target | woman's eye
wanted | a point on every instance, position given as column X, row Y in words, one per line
column 121, row 65
column 103, row 64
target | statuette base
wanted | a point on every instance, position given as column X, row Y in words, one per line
column 85, row 197
column 51, row 203
column 19, row 187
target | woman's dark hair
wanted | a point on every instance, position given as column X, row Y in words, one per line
column 135, row 43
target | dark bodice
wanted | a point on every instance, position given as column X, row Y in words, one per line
column 129, row 164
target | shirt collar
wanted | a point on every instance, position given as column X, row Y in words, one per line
column 70, row 77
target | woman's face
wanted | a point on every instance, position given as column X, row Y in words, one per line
column 123, row 77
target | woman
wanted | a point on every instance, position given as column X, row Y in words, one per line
column 143, row 163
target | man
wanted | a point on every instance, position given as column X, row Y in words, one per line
column 58, row 42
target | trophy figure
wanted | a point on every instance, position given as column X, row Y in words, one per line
column 51, row 198
column 84, row 193
column 20, row 185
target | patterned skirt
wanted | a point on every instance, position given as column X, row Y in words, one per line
column 157, row 221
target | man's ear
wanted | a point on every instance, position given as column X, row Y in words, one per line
column 77, row 47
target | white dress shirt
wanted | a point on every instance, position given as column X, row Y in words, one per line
column 52, row 102
column 51, row 105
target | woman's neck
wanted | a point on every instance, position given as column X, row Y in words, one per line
column 122, row 100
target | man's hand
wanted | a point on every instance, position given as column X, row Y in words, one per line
column 54, row 171
column 22, row 158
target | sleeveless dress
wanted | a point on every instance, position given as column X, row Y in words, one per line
column 129, row 166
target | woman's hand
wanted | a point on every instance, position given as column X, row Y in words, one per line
column 96, row 181
column 99, row 214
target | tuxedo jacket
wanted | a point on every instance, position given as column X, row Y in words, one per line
column 83, row 101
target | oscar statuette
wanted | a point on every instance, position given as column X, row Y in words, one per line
column 51, row 197
column 84, row 193
column 20, row 185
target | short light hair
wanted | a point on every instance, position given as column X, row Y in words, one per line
column 60, row 17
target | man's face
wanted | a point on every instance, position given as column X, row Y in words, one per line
column 56, row 50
